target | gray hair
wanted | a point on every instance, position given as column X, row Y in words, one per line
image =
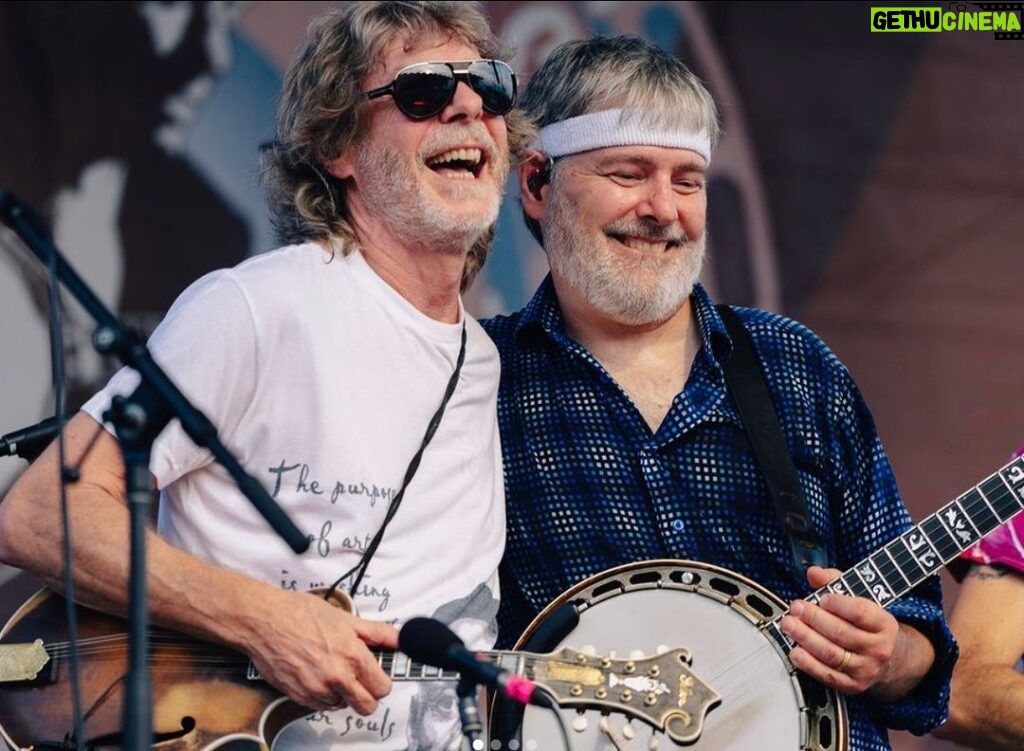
column 319, row 115
column 621, row 72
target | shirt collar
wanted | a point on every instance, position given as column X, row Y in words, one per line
column 713, row 335
column 543, row 314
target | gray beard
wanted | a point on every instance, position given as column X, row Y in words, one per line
column 613, row 284
column 392, row 189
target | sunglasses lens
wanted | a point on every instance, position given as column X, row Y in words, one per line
column 495, row 84
column 424, row 90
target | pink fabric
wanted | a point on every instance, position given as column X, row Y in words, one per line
column 1004, row 545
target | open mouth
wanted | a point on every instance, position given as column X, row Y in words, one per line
column 645, row 245
column 460, row 164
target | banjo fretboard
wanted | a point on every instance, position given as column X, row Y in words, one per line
column 899, row 566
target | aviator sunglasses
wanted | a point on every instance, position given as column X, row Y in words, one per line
column 422, row 90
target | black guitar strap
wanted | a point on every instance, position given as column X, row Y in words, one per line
column 745, row 379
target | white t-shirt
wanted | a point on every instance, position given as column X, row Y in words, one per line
column 321, row 379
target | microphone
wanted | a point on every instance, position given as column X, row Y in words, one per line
column 28, row 443
column 431, row 642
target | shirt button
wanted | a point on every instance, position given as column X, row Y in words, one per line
column 677, row 525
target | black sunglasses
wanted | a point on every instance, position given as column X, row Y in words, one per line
column 422, row 90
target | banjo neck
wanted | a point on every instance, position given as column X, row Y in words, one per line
column 902, row 564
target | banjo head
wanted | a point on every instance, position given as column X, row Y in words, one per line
column 643, row 609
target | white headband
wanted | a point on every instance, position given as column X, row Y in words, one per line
column 599, row 130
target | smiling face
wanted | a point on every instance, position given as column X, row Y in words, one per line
column 624, row 229
column 433, row 183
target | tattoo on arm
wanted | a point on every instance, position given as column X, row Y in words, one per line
column 995, row 571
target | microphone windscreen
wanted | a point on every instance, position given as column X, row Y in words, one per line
column 429, row 641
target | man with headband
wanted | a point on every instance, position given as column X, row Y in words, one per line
column 621, row 440
column 344, row 372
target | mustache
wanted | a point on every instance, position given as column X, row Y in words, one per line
column 672, row 234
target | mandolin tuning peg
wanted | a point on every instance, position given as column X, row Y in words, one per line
column 628, row 732
column 589, row 649
column 662, row 648
column 579, row 723
column 637, row 654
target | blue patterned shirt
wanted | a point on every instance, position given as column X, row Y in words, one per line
column 590, row 487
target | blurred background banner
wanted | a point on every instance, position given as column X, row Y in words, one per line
column 867, row 184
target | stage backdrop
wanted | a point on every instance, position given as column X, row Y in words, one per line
column 867, row 184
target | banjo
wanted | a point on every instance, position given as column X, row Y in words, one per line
column 729, row 626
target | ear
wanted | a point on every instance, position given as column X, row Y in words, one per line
column 534, row 175
column 342, row 167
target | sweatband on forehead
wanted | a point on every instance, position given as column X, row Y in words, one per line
column 599, row 130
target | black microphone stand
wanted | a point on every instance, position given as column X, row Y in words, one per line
column 137, row 420
column 469, row 713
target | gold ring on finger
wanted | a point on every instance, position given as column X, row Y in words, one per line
column 845, row 662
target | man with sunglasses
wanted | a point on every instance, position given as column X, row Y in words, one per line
column 622, row 441
column 344, row 372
